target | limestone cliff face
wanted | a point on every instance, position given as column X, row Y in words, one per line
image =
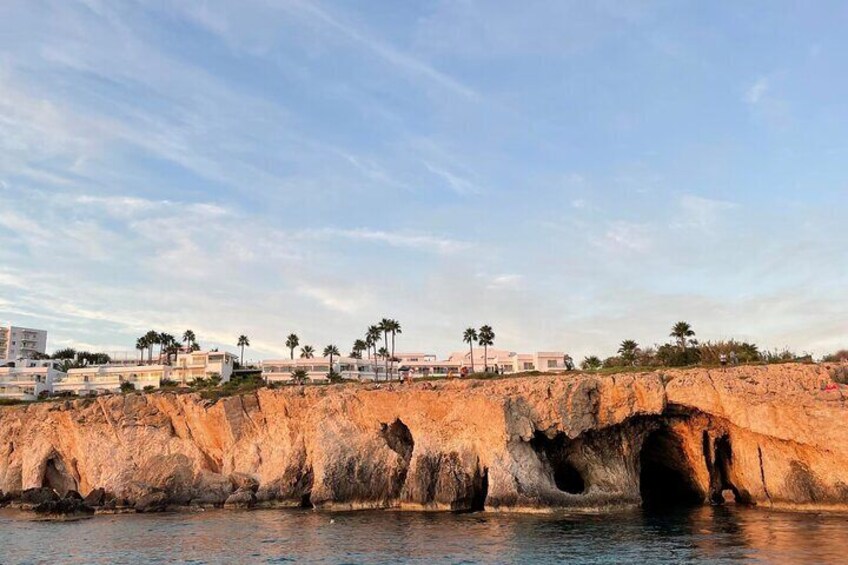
column 764, row 435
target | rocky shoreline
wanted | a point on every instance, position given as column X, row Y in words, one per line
column 772, row 436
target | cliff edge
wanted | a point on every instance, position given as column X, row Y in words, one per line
column 766, row 435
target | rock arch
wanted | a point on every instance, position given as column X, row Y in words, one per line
column 58, row 475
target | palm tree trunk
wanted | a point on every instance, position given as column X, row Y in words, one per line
column 241, row 359
column 386, row 360
column 485, row 358
column 393, row 353
column 471, row 345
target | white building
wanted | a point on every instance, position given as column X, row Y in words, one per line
column 101, row 379
column 26, row 379
column 318, row 368
column 203, row 364
column 21, row 343
column 501, row 360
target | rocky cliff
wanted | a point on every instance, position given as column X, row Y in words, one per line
column 773, row 436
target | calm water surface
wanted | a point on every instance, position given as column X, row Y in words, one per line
column 712, row 535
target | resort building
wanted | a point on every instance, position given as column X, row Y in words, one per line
column 500, row 360
column 318, row 369
column 510, row 362
column 21, row 343
column 203, row 364
column 101, row 379
column 26, row 379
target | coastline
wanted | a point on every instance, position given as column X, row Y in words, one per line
column 767, row 436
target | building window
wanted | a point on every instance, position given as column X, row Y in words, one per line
column 552, row 364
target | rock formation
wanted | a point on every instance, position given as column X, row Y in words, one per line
column 765, row 435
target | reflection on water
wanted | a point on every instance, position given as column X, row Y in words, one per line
column 708, row 534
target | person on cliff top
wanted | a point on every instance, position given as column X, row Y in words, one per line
column 722, row 359
column 734, row 359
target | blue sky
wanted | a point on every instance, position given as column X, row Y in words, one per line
column 572, row 173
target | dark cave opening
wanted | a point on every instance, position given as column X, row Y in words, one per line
column 556, row 455
column 666, row 478
column 481, row 491
column 568, row 479
column 58, row 477
column 398, row 438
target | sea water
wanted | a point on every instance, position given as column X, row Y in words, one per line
column 703, row 535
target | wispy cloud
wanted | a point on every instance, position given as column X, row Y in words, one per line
column 697, row 212
column 756, row 91
column 418, row 241
column 383, row 49
column 627, row 236
column 456, row 183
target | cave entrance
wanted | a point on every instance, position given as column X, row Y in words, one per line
column 481, row 490
column 722, row 488
column 398, row 438
column 58, row 477
column 556, row 456
column 666, row 478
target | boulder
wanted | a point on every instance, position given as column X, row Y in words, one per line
column 64, row 509
column 96, row 497
column 35, row 496
column 243, row 481
column 73, row 495
column 241, row 499
column 209, row 500
column 153, row 502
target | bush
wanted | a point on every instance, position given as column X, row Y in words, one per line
column 669, row 355
column 149, row 388
column 839, row 375
column 591, row 363
column 838, row 357
column 127, row 387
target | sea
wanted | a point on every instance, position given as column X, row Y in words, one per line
column 720, row 534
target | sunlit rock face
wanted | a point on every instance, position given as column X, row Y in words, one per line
column 773, row 435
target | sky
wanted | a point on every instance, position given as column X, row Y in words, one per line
column 571, row 173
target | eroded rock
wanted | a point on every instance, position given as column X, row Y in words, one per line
column 770, row 435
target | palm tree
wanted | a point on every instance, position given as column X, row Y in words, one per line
column 166, row 343
column 299, row 376
column 394, row 329
column 383, row 353
column 385, row 327
column 152, row 338
column 681, row 331
column 331, row 351
column 627, row 350
column 358, row 347
column 173, row 348
column 590, row 363
column 373, row 337
column 469, row 337
column 243, row 342
column 487, row 338
column 164, row 340
column 307, row 352
column 141, row 345
column 292, row 341
column 189, row 339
